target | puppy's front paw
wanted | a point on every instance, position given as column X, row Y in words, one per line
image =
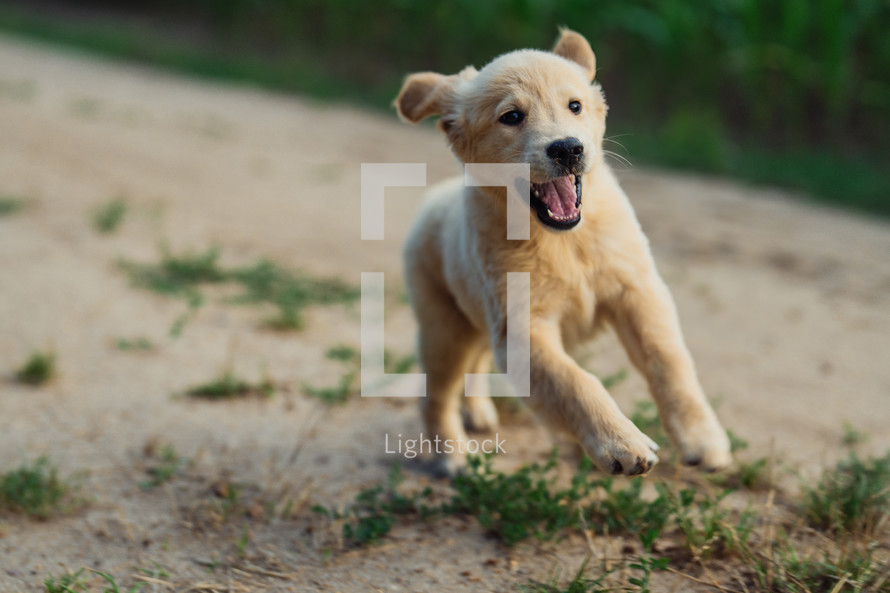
column 622, row 450
column 705, row 445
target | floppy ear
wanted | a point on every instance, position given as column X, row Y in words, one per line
column 423, row 95
column 574, row 47
column 426, row 94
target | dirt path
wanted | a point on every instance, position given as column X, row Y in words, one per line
column 785, row 306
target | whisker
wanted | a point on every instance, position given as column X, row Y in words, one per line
column 618, row 157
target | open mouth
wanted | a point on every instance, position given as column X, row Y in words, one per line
column 558, row 202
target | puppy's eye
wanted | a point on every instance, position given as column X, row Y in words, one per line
column 575, row 107
column 512, row 118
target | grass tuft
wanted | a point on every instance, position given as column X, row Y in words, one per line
column 70, row 582
column 578, row 584
column 168, row 463
column 346, row 387
column 107, row 218
column 39, row 369
column 230, row 386
column 140, row 344
column 263, row 283
column 10, row 205
column 853, row 498
column 375, row 510
column 35, row 490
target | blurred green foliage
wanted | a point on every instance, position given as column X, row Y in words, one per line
column 694, row 83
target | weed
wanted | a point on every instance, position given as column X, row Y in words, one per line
column 10, row 205
column 522, row 504
column 169, row 463
column 177, row 275
column 72, row 582
column 342, row 353
column 851, row 498
column 578, row 584
column 242, row 541
column 134, row 344
column 337, row 394
column 35, row 490
column 626, row 510
column 853, row 436
column 38, row 369
column 376, row 509
column 264, row 282
column 112, row 586
column 346, row 387
column 784, row 568
column 398, row 365
column 229, row 386
column 106, row 219
column 754, row 475
column 706, row 527
column 646, row 564
column 158, row 572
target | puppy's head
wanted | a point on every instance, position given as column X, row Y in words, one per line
column 526, row 106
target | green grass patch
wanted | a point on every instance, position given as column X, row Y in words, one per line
column 531, row 502
column 346, row 386
column 788, row 567
column 580, row 583
column 10, row 205
column 69, row 582
column 290, row 293
column 39, row 369
column 853, row 436
column 262, row 283
column 230, row 386
column 106, row 219
column 167, row 463
column 852, row 498
column 138, row 344
column 77, row 582
column 34, row 489
column 375, row 510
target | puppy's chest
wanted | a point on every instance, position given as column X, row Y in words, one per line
column 575, row 297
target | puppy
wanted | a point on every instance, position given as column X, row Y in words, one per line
column 588, row 260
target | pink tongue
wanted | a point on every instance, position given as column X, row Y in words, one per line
column 559, row 195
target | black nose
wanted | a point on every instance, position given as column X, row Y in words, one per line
column 566, row 152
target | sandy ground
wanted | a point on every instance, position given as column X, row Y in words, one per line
column 785, row 306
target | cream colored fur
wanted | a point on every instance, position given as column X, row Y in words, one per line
column 601, row 271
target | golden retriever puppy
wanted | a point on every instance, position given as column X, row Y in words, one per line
column 588, row 260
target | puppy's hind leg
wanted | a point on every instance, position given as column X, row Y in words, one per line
column 479, row 412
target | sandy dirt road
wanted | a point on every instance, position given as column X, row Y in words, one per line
column 785, row 307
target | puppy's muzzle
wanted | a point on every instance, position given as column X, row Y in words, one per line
column 567, row 154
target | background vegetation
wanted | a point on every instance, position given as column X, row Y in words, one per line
column 794, row 92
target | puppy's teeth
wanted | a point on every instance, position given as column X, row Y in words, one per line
column 550, row 214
